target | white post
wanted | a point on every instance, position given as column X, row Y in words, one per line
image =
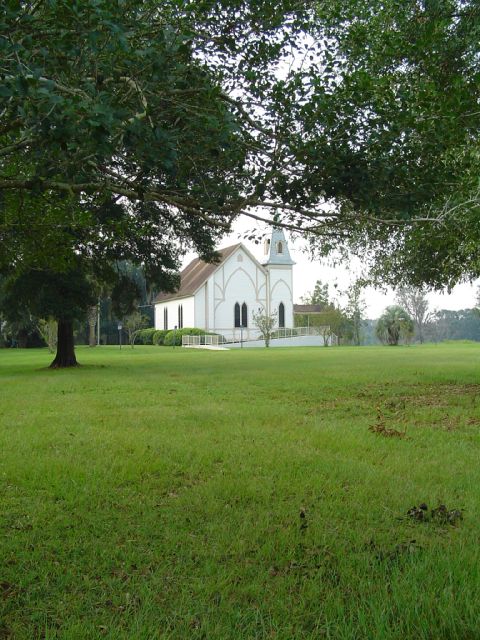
column 98, row 323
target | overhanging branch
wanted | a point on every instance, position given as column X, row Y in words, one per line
column 304, row 220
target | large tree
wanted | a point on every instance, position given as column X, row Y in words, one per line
column 414, row 301
column 118, row 139
column 130, row 130
column 355, row 310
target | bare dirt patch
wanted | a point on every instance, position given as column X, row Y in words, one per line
column 442, row 403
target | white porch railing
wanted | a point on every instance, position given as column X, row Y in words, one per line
column 322, row 330
column 196, row 341
column 247, row 334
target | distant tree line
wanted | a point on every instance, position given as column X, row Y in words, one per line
column 453, row 325
column 409, row 320
column 443, row 324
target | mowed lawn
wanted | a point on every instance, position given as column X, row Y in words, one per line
column 172, row 493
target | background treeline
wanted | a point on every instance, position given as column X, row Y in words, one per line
column 444, row 324
column 409, row 319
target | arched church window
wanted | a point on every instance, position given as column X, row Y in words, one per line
column 281, row 315
column 180, row 316
column 236, row 314
column 165, row 318
column 244, row 315
column 279, row 247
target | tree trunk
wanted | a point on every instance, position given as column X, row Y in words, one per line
column 92, row 322
column 420, row 333
column 22, row 339
column 65, row 347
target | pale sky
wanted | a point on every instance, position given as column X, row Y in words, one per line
column 306, row 272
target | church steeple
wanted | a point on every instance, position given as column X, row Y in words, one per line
column 276, row 248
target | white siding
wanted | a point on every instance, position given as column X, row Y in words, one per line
column 239, row 279
column 172, row 306
column 200, row 307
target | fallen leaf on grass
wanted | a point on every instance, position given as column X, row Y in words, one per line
column 440, row 514
column 445, row 516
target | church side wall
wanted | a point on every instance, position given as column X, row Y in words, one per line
column 188, row 311
column 200, row 307
column 172, row 307
column 158, row 316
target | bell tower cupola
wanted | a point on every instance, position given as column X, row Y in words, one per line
column 276, row 249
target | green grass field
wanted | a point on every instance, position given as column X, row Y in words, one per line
column 160, row 493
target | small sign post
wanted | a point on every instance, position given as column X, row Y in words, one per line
column 120, row 327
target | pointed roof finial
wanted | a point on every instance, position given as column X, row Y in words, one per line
column 277, row 249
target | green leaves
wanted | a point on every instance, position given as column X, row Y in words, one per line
column 186, row 114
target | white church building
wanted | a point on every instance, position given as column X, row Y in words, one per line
column 222, row 297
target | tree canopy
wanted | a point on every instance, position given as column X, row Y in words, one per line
column 415, row 303
column 406, row 93
column 348, row 121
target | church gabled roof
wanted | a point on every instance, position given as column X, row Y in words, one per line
column 195, row 274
